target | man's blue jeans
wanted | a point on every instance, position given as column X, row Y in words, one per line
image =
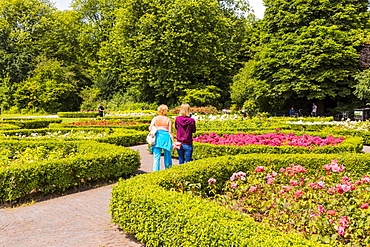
column 157, row 159
column 185, row 153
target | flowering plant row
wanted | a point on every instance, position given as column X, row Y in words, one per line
column 71, row 134
column 271, row 139
column 201, row 110
column 102, row 123
column 331, row 206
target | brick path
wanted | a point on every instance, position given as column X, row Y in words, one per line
column 79, row 219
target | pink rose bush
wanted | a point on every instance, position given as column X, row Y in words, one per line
column 327, row 207
column 270, row 139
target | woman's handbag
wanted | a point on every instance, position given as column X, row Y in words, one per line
column 150, row 139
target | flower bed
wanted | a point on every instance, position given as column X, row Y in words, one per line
column 270, row 139
column 329, row 206
column 103, row 123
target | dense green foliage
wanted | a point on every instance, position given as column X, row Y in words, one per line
column 141, row 53
column 86, row 162
column 166, row 47
column 306, row 52
column 131, row 51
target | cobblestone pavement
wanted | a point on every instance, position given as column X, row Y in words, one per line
column 79, row 219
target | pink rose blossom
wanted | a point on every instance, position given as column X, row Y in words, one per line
column 298, row 193
column 321, row 184
column 293, row 182
column 331, row 212
column 286, row 188
column 238, row 175
column 343, row 221
column 321, row 209
column 365, row 179
column 358, row 182
column 212, row 181
column 270, row 181
column 259, row 169
column 364, row 206
column 233, row 185
column 253, row 188
column 341, row 230
column 332, row 190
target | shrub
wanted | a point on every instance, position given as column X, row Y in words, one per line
column 149, row 206
column 91, row 161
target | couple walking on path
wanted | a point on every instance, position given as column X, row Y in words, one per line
column 164, row 140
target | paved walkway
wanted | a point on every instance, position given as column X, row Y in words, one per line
column 79, row 219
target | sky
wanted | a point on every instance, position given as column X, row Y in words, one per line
column 257, row 5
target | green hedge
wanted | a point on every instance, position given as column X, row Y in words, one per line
column 141, row 127
column 92, row 162
column 117, row 136
column 31, row 123
column 365, row 135
column 8, row 127
column 147, row 206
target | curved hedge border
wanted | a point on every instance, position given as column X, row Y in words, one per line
column 117, row 136
column 141, row 127
column 8, row 127
column 93, row 162
column 146, row 207
column 31, row 123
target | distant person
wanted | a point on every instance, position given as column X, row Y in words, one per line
column 292, row 112
column 185, row 126
column 101, row 110
column 314, row 110
column 163, row 138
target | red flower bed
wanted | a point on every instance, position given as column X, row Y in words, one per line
column 271, row 139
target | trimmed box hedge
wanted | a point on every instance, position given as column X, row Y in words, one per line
column 92, row 162
column 141, row 127
column 31, row 123
column 117, row 136
column 148, row 207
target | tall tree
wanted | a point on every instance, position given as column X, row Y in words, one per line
column 308, row 49
column 159, row 48
column 50, row 88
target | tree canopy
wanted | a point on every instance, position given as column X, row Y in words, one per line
column 171, row 51
column 307, row 50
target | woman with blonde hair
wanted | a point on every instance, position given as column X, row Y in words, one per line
column 185, row 126
column 163, row 138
